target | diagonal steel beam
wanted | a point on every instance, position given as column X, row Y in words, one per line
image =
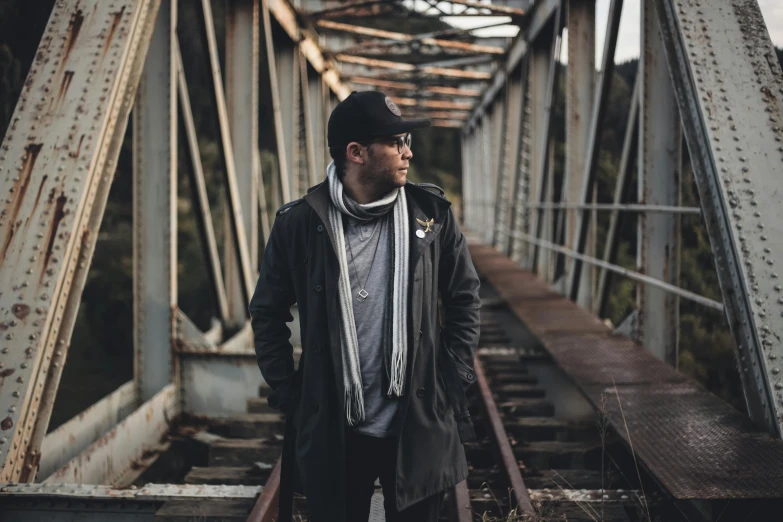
column 232, row 190
column 729, row 89
column 57, row 159
column 200, row 200
column 492, row 8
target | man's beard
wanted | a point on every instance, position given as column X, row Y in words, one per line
column 382, row 179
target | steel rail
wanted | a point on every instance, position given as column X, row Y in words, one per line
column 268, row 500
column 508, row 460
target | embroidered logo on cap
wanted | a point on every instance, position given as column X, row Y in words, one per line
column 392, row 106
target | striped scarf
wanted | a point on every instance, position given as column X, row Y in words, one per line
column 394, row 331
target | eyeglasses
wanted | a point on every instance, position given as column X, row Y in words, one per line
column 400, row 141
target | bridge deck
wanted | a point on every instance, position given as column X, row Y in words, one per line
column 696, row 445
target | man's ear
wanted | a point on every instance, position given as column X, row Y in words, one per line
column 353, row 153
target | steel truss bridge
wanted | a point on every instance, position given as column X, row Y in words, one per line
column 709, row 87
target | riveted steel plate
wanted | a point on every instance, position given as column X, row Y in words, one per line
column 598, row 359
column 695, row 444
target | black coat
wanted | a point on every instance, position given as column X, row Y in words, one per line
column 300, row 266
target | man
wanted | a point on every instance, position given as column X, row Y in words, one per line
column 379, row 391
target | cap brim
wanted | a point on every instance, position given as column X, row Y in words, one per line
column 401, row 127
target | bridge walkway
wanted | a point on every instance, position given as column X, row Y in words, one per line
column 696, row 445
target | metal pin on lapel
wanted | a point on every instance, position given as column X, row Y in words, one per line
column 427, row 224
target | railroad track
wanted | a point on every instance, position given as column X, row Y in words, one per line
column 537, row 457
column 532, row 462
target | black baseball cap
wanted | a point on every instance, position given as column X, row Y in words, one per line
column 366, row 115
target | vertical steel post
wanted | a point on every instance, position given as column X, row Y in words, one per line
column 311, row 98
column 281, row 183
column 287, row 59
column 501, row 167
column 580, row 82
column 242, row 45
column 520, row 211
column 510, row 172
column 658, row 244
column 730, row 107
column 543, row 133
column 155, row 209
column 603, row 85
column 540, row 61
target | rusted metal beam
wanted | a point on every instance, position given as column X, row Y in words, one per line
column 439, row 115
column 446, row 124
column 493, row 8
column 349, row 6
column 58, row 157
column 75, row 435
column 122, row 454
column 459, row 505
column 399, row 66
column 510, row 465
column 403, row 37
column 410, row 86
column 286, row 16
column 433, row 104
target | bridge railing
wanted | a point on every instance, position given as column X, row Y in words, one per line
column 708, row 72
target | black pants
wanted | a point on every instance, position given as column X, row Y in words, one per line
column 370, row 458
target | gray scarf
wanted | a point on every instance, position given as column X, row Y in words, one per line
column 394, row 331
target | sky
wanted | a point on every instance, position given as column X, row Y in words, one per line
column 628, row 37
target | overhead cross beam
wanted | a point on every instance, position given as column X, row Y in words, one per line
column 399, row 66
column 404, row 37
column 410, row 86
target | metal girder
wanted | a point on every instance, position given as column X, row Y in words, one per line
column 219, row 384
column 349, row 6
column 238, row 231
column 189, row 337
column 242, row 50
column 155, row 209
column 511, row 139
column 122, row 453
column 545, row 72
column 603, row 85
column 288, row 19
column 542, row 12
column 310, row 107
column 728, row 85
column 521, row 167
column 405, row 37
column 287, row 60
column 72, row 437
column 502, row 140
column 57, row 160
column 492, row 8
column 407, row 67
column 200, row 201
column 277, row 111
column 659, row 160
column 580, row 81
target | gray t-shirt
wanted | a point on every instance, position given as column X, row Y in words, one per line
column 363, row 236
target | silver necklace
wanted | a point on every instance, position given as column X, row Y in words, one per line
column 362, row 294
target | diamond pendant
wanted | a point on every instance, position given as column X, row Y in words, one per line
column 362, row 295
